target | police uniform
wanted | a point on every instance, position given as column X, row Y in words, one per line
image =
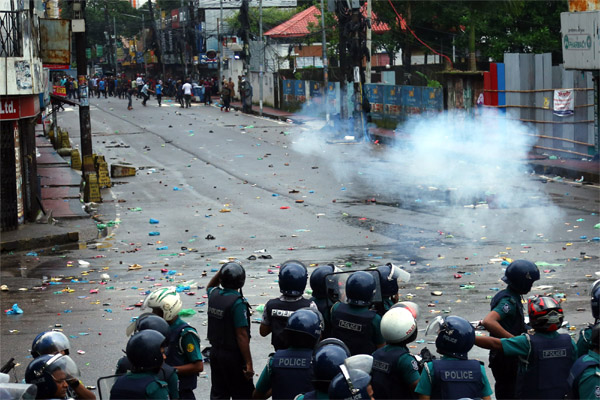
column 325, row 310
column 584, row 378
column 139, row 386
column 394, row 371
column 184, row 348
column 276, row 313
column 451, row 378
column 227, row 310
column 545, row 359
column 357, row 326
column 584, row 344
column 288, row 373
column 507, row 304
column 166, row 374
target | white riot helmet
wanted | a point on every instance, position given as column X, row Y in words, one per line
column 166, row 299
column 398, row 326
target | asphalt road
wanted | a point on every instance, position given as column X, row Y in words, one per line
column 267, row 188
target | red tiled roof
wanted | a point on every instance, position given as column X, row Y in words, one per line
column 297, row 26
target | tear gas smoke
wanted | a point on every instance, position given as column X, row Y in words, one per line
column 453, row 162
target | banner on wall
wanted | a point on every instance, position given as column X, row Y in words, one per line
column 563, row 103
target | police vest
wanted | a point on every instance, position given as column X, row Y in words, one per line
column 176, row 356
column 518, row 327
column 386, row 379
column 221, row 332
column 576, row 371
column 127, row 387
column 456, row 379
column 355, row 330
column 279, row 311
column 291, row 373
column 124, row 366
column 548, row 368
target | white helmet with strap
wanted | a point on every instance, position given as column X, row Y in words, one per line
column 167, row 299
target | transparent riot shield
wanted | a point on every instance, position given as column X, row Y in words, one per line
column 104, row 384
column 336, row 286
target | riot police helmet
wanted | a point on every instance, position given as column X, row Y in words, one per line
column 154, row 322
column 595, row 300
column 398, row 326
column 317, row 280
column 389, row 285
column 333, row 342
column 455, row 336
column 326, row 362
column 520, row 275
column 410, row 306
column 303, row 328
column 351, row 383
column 292, row 278
column 360, row 288
column 50, row 342
column 233, row 275
column 545, row 313
column 144, row 350
column 51, row 374
column 164, row 302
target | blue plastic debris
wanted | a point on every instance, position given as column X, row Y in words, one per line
column 32, row 254
column 154, row 233
column 163, row 248
column 14, row 310
column 153, row 221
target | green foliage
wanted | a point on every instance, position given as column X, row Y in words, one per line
column 430, row 82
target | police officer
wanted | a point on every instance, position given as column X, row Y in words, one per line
column 52, row 374
column 292, row 282
column 53, row 342
column 351, row 384
column 454, row 376
column 584, row 381
column 352, row 322
column 318, row 284
column 395, row 371
column 145, row 350
column 166, row 373
column 506, row 320
column 183, row 352
column 289, row 371
column 229, row 334
column 585, row 335
column 545, row 357
column 389, row 289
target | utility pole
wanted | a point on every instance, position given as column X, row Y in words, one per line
column 262, row 57
column 219, row 29
column 115, row 30
column 369, row 33
column 85, row 127
column 184, row 45
column 325, row 62
column 144, row 43
column 111, row 53
column 154, row 37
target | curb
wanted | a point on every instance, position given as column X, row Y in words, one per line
column 69, row 238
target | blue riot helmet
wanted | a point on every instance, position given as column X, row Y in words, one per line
column 50, row 342
column 389, row 286
column 360, row 288
column 596, row 299
column 51, row 374
column 326, row 364
column 335, row 342
column 520, row 275
column 317, row 280
column 292, row 278
column 306, row 322
column 144, row 350
column 154, row 322
column 350, row 384
column 233, row 275
column 455, row 336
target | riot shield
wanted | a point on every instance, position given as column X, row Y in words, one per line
column 17, row 391
column 105, row 383
column 336, row 286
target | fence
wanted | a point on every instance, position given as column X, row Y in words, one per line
column 525, row 86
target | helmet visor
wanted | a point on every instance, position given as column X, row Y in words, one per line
column 56, row 343
column 363, row 362
column 62, row 368
column 435, row 326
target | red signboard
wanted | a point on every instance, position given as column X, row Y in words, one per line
column 56, row 67
column 175, row 18
column 58, row 90
column 12, row 108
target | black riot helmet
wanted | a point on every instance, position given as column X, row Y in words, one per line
column 360, row 288
column 144, row 350
column 520, row 275
column 455, row 336
column 154, row 322
column 389, row 287
column 233, row 275
column 48, row 372
column 292, row 278
column 50, row 342
column 326, row 363
column 317, row 280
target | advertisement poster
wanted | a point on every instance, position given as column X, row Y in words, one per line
column 563, row 103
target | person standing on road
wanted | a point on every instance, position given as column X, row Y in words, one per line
column 240, row 91
column 352, row 322
column 545, row 357
column 506, row 320
column 187, row 93
column 229, row 334
column 585, row 335
column 145, row 351
column 247, row 104
column 145, row 95
column 207, row 92
column 225, row 96
column 318, row 284
column 454, row 376
column 289, row 372
column 583, row 378
column 139, row 83
column 293, row 276
column 231, row 86
column 183, row 352
column 130, row 91
column 158, row 91
column 179, row 93
column 102, row 87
